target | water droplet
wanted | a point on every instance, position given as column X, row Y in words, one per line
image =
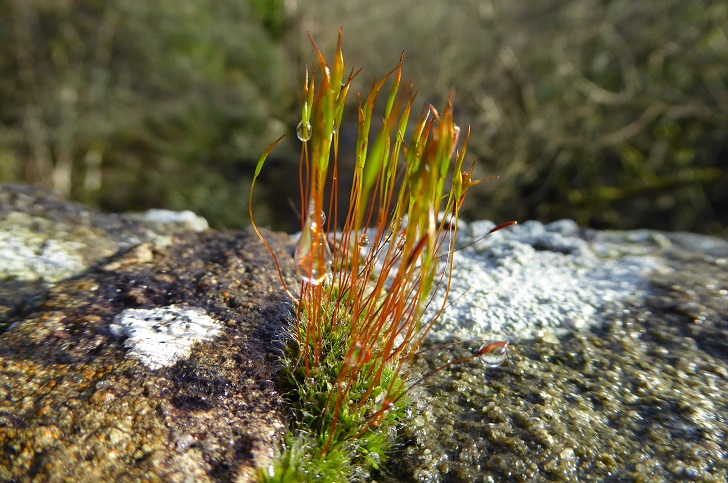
column 303, row 131
column 358, row 355
column 363, row 240
column 313, row 258
column 311, row 215
column 353, row 357
column 387, row 406
column 493, row 353
column 334, row 130
column 401, row 240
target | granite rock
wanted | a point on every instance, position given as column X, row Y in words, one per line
column 134, row 347
column 619, row 367
column 618, row 373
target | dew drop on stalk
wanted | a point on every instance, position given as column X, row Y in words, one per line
column 387, row 406
column 352, row 358
column 401, row 239
column 493, row 353
column 363, row 241
column 303, row 131
column 358, row 355
column 313, row 258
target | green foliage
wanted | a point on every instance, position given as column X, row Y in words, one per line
column 309, row 455
column 131, row 104
column 360, row 307
column 271, row 13
column 613, row 113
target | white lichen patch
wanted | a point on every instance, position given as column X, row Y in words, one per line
column 28, row 254
column 172, row 220
column 160, row 337
column 533, row 280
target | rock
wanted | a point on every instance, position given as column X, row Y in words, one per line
column 634, row 391
column 84, row 299
column 45, row 239
column 171, row 221
column 619, row 368
column 531, row 279
column 160, row 337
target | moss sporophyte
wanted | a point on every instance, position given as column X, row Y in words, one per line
column 365, row 286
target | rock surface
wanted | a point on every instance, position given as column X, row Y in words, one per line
column 532, row 279
column 620, row 374
column 78, row 402
column 621, row 370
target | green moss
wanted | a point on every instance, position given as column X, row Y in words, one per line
column 359, row 306
column 315, row 449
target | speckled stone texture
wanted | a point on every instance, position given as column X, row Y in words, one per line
column 635, row 391
column 620, row 372
column 76, row 404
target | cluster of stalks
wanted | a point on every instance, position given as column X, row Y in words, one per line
column 360, row 306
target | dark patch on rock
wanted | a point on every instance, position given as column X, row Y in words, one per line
column 73, row 405
column 194, row 387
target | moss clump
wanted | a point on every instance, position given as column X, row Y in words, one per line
column 360, row 305
column 328, row 445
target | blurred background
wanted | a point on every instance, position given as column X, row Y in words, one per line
column 613, row 113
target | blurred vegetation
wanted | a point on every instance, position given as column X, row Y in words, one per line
column 611, row 113
column 128, row 105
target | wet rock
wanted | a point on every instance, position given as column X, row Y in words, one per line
column 85, row 297
column 619, row 375
column 636, row 393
